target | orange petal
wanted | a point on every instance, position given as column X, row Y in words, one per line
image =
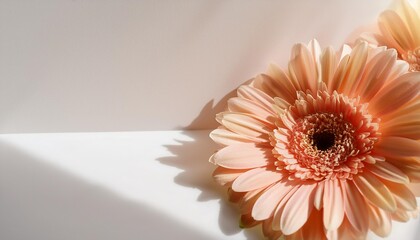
column 314, row 228
column 247, row 221
column 234, row 196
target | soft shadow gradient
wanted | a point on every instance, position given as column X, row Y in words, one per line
column 192, row 157
column 39, row 201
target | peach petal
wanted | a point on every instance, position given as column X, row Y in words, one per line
column 333, row 204
column 390, row 21
column 319, row 193
column 395, row 94
column 329, row 64
column 268, row 230
column 377, row 72
column 302, row 68
column 354, row 68
column 400, row 216
column 297, row 209
column 355, row 207
column 247, row 202
column 379, row 221
column 404, row 125
column 403, row 196
column 347, row 231
column 247, row 106
column 276, row 88
column 282, row 80
column 411, row 18
column 398, row 147
column 341, row 68
column 375, row 191
column 242, row 156
column 266, row 204
column 279, row 210
column 226, row 137
column 408, row 165
column 408, row 109
column 254, row 179
column 255, row 95
column 414, row 188
column 408, row 131
column 389, row 172
column 245, row 124
column 295, row 236
column 224, row 176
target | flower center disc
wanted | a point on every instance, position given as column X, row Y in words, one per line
column 323, row 140
column 324, row 136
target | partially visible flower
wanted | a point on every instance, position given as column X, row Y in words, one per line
column 325, row 149
column 400, row 29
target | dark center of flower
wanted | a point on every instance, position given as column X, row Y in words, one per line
column 323, row 140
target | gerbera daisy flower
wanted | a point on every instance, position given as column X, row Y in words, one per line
column 399, row 28
column 325, row 149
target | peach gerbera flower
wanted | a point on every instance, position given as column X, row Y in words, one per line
column 400, row 29
column 326, row 149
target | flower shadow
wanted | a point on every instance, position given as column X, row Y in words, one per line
column 42, row 201
column 192, row 157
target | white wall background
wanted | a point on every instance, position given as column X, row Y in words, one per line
column 109, row 65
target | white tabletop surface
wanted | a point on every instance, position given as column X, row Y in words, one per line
column 121, row 185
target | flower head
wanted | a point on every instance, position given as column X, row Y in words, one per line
column 400, row 29
column 325, row 149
